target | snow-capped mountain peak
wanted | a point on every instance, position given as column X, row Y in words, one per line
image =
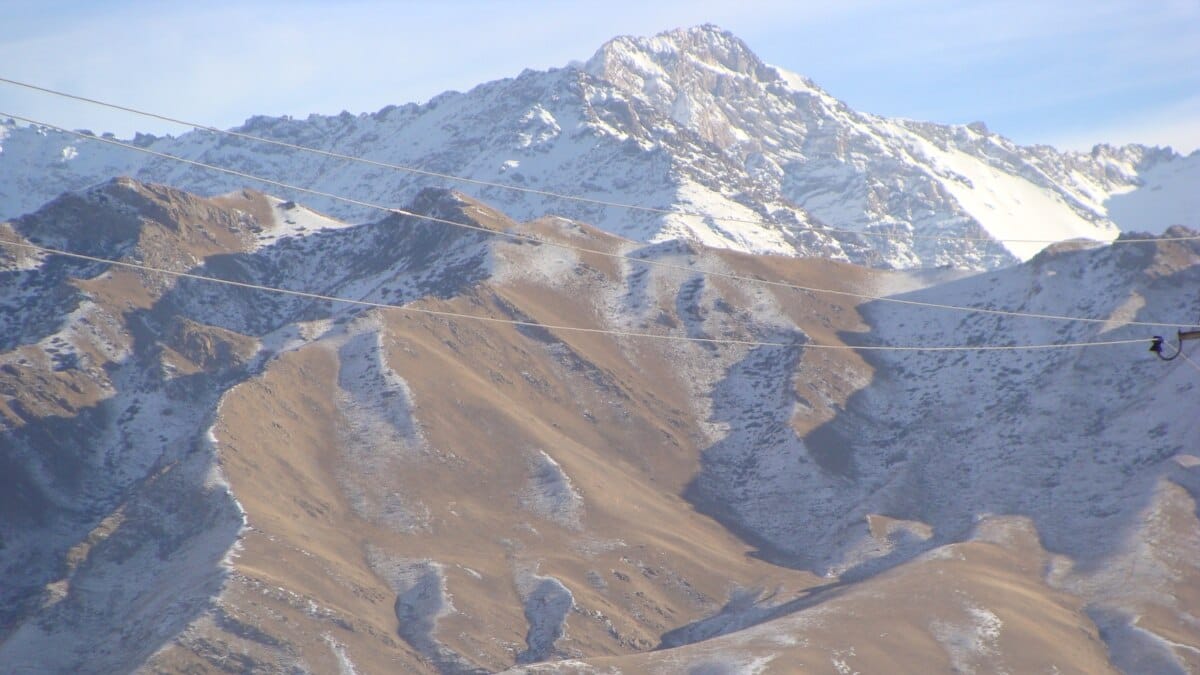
column 678, row 59
column 721, row 148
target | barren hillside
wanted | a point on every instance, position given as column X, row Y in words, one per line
column 210, row 478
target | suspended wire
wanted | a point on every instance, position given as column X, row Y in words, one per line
column 545, row 326
column 580, row 249
column 528, row 190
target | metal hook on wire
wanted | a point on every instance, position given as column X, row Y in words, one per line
column 1157, row 342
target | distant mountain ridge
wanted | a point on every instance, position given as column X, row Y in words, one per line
column 688, row 120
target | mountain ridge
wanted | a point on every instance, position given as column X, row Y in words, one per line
column 640, row 123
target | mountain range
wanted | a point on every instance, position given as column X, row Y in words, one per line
column 686, row 122
column 244, row 432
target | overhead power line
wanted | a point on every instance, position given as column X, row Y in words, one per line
column 515, row 188
column 552, row 327
column 580, row 249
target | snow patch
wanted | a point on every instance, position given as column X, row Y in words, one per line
column 215, row 480
column 550, row 265
column 380, row 430
column 422, row 599
column 537, row 127
column 1169, row 194
column 1132, row 648
column 293, row 220
column 340, row 654
column 1009, row 207
column 547, row 602
column 719, row 227
column 550, row 493
column 840, row 663
column 967, row 643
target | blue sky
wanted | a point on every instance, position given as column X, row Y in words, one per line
column 1067, row 73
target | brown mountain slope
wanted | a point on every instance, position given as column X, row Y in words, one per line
column 210, row 479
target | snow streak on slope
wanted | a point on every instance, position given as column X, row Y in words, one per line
column 421, row 602
column 380, row 429
column 546, row 603
column 550, row 493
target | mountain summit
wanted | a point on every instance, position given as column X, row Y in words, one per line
column 709, row 142
column 698, row 74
